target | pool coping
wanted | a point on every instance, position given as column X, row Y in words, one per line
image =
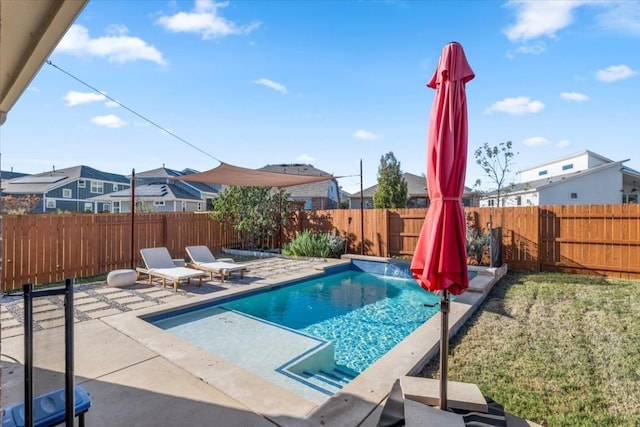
column 355, row 403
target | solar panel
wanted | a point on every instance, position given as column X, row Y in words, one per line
column 31, row 179
column 151, row 191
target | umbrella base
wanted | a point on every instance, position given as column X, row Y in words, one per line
column 406, row 407
column 464, row 396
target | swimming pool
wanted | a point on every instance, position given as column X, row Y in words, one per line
column 334, row 326
column 287, row 401
column 363, row 314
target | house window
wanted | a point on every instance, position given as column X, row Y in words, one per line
column 573, row 195
column 541, row 173
column 491, row 202
column 519, row 200
column 632, row 198
column 82, row 183
column 105, row 207
column 184, row 206
column 115, row 187
column 88, row 207
column 66, row 193
column 97, row 187
column 158, row 203
column 567, row 167
column 116, row 207
column 51, row 203
column 307, row 204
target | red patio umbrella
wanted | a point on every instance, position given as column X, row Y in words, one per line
column 440, row 259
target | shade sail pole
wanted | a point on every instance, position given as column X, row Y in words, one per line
column 133, row 214
column 361, row 213
column 444, row 347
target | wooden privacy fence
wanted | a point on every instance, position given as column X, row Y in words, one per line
column 48, row 248
column 599, row 239
column 587, row 239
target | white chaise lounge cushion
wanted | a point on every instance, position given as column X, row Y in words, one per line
column 201, row 254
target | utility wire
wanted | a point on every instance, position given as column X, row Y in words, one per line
column 134, row 112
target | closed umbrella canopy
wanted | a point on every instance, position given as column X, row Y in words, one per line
column 440, row 260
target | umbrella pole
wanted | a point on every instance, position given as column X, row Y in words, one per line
column 444, row 347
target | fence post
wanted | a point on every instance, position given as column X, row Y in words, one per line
column 539, row 238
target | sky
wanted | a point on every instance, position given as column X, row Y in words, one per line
column 184, row 84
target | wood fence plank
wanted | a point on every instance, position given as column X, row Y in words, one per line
column 588, row 239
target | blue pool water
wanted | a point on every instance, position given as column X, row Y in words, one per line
column 363, row 314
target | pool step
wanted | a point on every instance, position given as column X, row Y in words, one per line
column 330, row 379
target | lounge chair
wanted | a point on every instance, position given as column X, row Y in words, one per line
column 158, row 264
column 202, row 259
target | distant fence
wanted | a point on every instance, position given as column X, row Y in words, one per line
column 601, row 240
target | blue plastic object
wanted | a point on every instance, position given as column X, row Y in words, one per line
column 48, row 409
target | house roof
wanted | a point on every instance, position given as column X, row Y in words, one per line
column 7, row 175
column 416, row 187
column 159, row 173
column 572, row 156
column 46, row 181
column 155, row 192
column 543, row 183
column 167, row 174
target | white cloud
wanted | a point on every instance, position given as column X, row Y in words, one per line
column 111, row 104
column 536, row 141
column 366, row 135
column 271, row 84
column 615, row 72
column 516, row 106
column 304, row 158
column 205, row 20
column 109, row 121
column 116, row 47
column 563, row 143
column 574, row 96
column 621, row 16
column 536, row 18
column 73, row 98
column 531, row 49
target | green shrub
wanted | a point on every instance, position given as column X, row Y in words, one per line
column 319, row 245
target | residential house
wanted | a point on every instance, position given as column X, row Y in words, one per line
column 584, row 178
column 160, row 190
column 315, row 196
column 7, row 175
column 68, row 189
column 417, row 194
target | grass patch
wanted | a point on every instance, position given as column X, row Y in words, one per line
column 559, row 350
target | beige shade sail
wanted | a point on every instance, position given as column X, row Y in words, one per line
column 234, row 175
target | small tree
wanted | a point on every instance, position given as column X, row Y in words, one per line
column 392, row 187
column 496, row 162
column 255, row 210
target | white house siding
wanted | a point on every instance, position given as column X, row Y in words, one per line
column 581, row 162
column 602, row 187
column 525, row 199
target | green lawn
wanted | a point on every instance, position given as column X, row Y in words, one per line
column 559, row 350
